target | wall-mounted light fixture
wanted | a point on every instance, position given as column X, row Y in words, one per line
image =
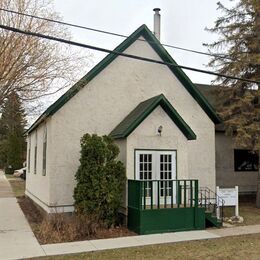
column 159, row 130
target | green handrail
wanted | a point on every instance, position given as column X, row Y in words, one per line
column 156, row 194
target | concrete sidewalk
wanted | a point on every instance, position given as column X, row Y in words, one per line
column 123, row 242
column 236, row 231
column 5, row 188
column 132, row 241
column 16, row 237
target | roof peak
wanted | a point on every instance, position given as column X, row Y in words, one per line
column 144, row 31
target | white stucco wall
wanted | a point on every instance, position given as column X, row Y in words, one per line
column 106, row 100
column 201, row 155
column 37, row 185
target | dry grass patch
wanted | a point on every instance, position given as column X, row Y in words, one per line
column 58, row 228
column 248, row 211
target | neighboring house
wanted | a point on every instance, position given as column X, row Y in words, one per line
column 164, row 126
column 234, row 165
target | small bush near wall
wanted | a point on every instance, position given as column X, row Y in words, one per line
column 60, row 227
column 100, row 179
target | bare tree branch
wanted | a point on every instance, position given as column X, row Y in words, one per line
column 30, row 66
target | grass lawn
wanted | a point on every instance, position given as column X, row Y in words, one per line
column 17, row 184
column 239, row 247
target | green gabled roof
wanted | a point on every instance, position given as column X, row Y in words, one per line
column 145, row 108
column 164, row 55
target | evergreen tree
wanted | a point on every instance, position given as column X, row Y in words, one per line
column 100, row 179
column 239, row 103
column 12, row 140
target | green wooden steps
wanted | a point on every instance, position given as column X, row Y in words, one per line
column 212, row 220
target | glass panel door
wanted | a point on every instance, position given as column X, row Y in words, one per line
column 159, row 166
column 145, row 169
column 167, row 173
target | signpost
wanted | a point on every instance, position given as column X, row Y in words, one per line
column 230, row 196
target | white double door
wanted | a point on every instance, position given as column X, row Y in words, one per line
column 159, row 166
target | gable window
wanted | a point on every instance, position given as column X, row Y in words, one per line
column 44, row 151
column 245, row 160
column 35, row 153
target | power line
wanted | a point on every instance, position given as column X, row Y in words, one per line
column 220, row 56
column 121, row 54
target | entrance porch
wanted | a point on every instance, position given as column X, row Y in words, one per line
column 157, row 206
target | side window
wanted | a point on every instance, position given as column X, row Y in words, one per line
column 29, row 155
column 44, row 151
column 35, row 153
column 245, row 160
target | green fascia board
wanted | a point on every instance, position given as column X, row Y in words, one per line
column 145, row 108
column 183, row 78
column 164, row 55
column 88, row 77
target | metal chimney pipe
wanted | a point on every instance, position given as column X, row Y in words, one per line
column 157, row 23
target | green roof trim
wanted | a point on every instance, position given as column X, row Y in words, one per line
column 144, row 109
column 164, row 55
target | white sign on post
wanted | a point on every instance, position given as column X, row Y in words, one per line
column 230, row 196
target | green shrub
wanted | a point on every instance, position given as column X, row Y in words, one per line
column 100, row 179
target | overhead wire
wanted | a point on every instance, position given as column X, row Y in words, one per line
column 220, row 56
column 52, row 38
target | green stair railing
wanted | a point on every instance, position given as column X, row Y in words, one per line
column 158, row 194
column 211, row 202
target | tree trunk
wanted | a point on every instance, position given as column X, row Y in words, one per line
column 258, row 183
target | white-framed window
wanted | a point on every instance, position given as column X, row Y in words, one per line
column 145, row 168
column 44, row 152
column 35, row 153
column 29, row 155
column 166, row 164
column 155, row 164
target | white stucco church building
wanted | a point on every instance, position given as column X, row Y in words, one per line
column 163, row 125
